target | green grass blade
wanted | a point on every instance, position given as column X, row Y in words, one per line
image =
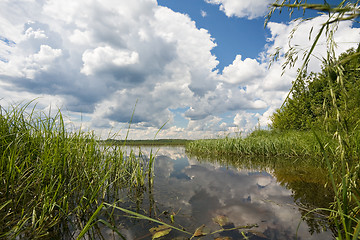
column 112, row 228
column 140, row 216
column 90, row 222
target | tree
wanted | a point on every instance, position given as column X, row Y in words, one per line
column 310, row 104
column 296, row 112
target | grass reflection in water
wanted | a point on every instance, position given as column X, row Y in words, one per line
column 271, row 195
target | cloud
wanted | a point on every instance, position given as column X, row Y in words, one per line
column 98, row 58
column 346, row 36
column 42, row 61
column 102, row 58
column 265, row 89
column 243, row 72
column 203, row 13
column 245, row 121
column 243, row 8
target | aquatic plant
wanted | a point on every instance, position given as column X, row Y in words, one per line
column 53, row 181
column 163, row 228
column 263, row 143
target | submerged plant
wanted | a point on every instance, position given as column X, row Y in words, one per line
column 163, row 228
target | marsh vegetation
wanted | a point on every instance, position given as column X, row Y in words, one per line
column 62, row 184
column 54, row 182
column 319, row 119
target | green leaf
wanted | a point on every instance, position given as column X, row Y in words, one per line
column 90, row 222
column 3, row 206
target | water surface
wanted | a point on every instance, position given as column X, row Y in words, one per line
column 276, row 200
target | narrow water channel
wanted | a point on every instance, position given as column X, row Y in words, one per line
column 274, row 202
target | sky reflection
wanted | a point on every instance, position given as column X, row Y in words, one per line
column 202, row 191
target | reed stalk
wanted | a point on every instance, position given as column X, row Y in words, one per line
column 53, row 181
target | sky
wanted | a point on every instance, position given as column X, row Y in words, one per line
column 189, row 68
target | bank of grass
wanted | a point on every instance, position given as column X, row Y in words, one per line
column 53, row 181
column 150, row 142
column 264, row 143
column 339, row 156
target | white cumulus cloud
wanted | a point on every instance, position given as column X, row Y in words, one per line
column 243, row 72
column 243, row 8
column 103, row 57
column 98, row 58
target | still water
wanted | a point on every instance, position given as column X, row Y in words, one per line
column 274, row 201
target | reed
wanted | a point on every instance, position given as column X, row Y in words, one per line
column 263, row 143
column 53, row 181
column 337, row 148
column 343, row 163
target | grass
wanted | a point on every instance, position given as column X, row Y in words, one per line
column 338, row 156
column 263, row 143
column 54, row 182
column 342, row 162
column 152, row 142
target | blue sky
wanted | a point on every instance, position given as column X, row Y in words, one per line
column 231, row 33
column 200, row 66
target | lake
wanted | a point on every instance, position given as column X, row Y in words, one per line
column 273, row 201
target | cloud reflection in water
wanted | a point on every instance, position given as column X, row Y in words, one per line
column 202, row 191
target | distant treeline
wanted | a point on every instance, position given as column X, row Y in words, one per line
column 154, row 142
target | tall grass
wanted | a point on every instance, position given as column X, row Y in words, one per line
column 319, row 150
column 52, row 180
column 344, row 171
column 340, row 153
column 264, row 143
